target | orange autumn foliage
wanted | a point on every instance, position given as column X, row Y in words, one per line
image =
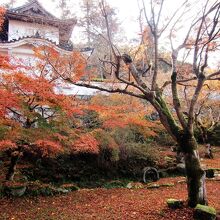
column 6, row 145
column 120, row 111
column 36, row 91
column 69, row 67
column 4, row 63
column 114, row 122
column 48, row 148
column 28, row 101
column 86, row 143
column 45, row 148
column 2, row 13
column 7, row 100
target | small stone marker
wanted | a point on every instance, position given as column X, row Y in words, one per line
column 132, row 185
column 153, row 186
column 203, row 212
column 174, row 203
column 167, row 184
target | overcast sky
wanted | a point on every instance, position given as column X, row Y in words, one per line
column 127, row 11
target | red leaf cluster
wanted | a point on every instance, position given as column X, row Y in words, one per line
column 48, row 148
column 86, row 143
column 6, row 145
column 2, row 13
column 7, row 100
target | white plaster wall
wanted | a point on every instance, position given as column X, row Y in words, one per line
column 19, row 29
column 78, row 91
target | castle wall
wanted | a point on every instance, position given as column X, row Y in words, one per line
column 19, row 29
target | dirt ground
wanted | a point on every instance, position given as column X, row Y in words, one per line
column 118, row 203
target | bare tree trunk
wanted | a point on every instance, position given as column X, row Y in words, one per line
column 188, row 146
column 12, row 167
column 195, row 174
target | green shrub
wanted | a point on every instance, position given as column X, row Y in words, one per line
column 165, row 139
column 141, row 152
column 91, row 120
column 134, row 157
column 129, row 134
column 109, row 151
column 115, row 184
